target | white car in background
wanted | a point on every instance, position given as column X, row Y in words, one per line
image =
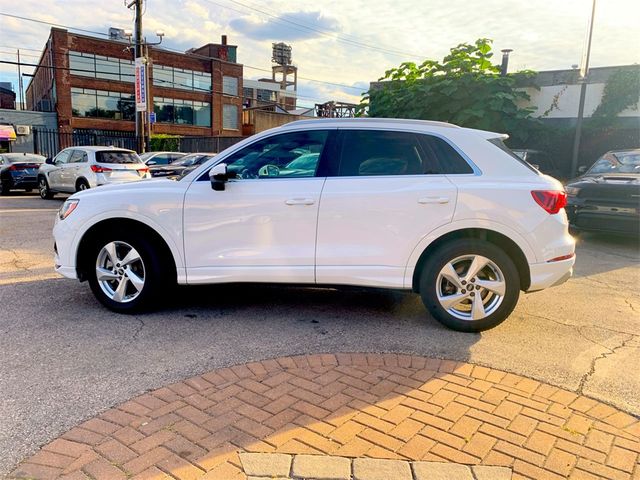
column 429, row 207
column 79, row 168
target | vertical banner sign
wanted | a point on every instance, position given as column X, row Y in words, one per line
column 141, row 85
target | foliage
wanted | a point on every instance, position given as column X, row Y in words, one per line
column 621, row 91
column 465, row 89
column 163, row 142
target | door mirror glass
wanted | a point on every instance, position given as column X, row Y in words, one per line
column 582, row 169
column 49, row 161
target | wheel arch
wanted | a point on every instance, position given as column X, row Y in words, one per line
column 82, row 179
column 499, row 239
column 83, row 260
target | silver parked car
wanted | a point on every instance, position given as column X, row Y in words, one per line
column 80, row 168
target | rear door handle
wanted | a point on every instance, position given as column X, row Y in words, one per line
column 300, row 201
column 425, row 200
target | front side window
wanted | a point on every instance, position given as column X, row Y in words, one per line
column 288, row 155
column 374, row 152
column 63, row 157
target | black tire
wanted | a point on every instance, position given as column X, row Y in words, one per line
column 5, row 187
column 155, row 272
column 43, row 189
column 82, row 184
column 458, row 250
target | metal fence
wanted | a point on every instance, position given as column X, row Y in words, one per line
column 50, row 142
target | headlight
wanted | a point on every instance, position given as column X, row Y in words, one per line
column 67, row 208
column 572, row 191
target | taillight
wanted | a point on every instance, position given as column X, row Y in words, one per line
column 551, row 200
column 143, row 170
column 99, row 169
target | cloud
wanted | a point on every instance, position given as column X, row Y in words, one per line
column 287, row 26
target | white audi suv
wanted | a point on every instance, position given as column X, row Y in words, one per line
column 80, row 168
column 443, row 211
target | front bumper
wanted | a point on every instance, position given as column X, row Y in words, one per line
column 64, row 260
column 604, row 216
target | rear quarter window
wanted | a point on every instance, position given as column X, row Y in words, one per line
column 446, row 160
column 110, row 156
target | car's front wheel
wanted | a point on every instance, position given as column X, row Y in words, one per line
column 43, row 189
column 126, row 273
column 470, row 285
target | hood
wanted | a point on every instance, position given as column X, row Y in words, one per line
column 123, row 188
column 611, row 179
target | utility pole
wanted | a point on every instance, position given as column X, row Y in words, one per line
column 20, row 84
column 138, row 49
column 584, row 73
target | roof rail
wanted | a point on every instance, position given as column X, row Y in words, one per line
column 315, row 121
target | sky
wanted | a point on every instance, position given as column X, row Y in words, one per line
column 339, row 46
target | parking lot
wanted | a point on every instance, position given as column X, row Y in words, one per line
column 64, row 358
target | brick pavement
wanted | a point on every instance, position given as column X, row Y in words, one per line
column 382, row 406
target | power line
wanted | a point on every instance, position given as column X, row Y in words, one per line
column 52, row 24
column 178, row 51
column 321, row 31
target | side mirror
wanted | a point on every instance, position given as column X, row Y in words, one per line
column 49, row 161
column 582, row 169
column 151, row 162
column 218, row 176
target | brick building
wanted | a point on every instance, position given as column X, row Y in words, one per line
column 7, row 98
column 197, row 93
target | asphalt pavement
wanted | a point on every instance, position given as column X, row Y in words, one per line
column 64, row 358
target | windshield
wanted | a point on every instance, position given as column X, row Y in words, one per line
column 117, row 156
column 620, row 162
column 192, row 159
column 21, row 157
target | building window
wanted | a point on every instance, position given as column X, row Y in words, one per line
column 86, row 102
column 266, row 95
column 230, row 85
column 97, row 66
column 230, row 117
column 182, row 112
column 183, row 79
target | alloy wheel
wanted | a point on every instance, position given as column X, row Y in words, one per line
column 120, row 271
column 470, row 287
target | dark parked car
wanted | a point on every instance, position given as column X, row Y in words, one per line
column 155, row 159
column 181, row 166
column 18, row 171
column 540, row 161
column 607, row 196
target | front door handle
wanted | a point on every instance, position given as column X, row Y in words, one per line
column 425, row 200
column 300, row 201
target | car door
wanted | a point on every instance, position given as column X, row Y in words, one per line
column 71, row 171
column 55, row 175
column 386, row 194
column 262, row 227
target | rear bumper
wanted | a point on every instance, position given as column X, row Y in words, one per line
column 550, row 274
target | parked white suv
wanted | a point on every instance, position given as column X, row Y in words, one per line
column 444, row 211
column 80, row 168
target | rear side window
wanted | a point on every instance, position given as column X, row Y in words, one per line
column 115, row 156
column 500, row 144
column 444, row 159
column 375, row 152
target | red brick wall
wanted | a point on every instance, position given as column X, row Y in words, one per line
column 62, row 42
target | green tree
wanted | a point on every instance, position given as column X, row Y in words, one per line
column 465, row 88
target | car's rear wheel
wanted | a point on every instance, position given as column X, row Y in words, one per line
column 43, row 189
column 470, row 285
column 82, row 184
column 126, row 273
